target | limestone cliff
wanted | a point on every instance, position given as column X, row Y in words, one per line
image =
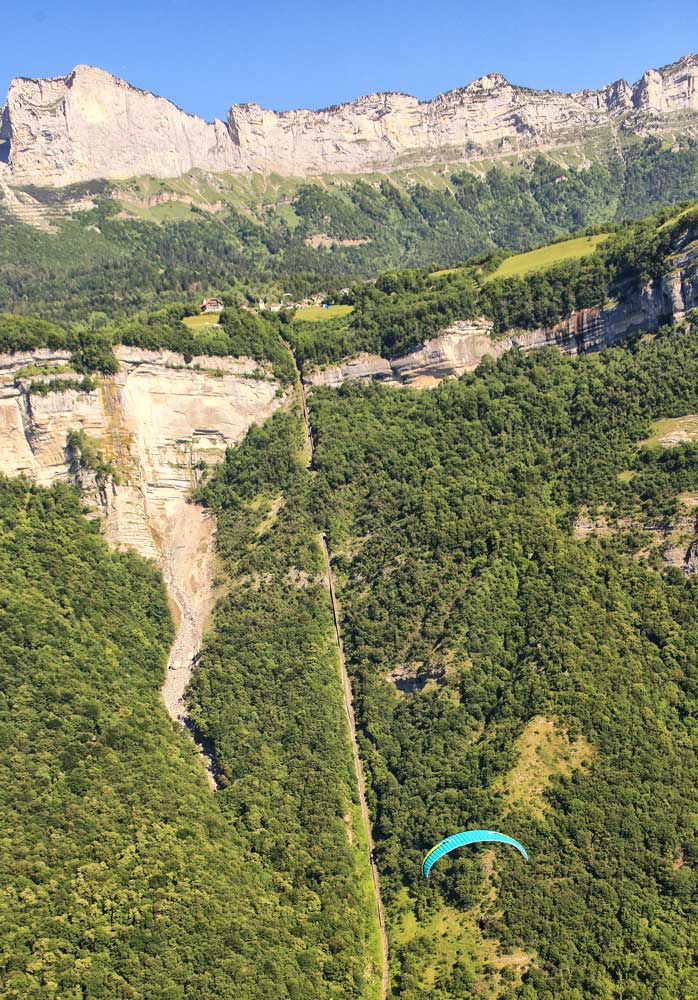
column 89, row 124
column 462, row 346
column 157, row 420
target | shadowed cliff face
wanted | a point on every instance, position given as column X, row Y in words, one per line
column 156, row 421
column 89, row 125
column 461, row 347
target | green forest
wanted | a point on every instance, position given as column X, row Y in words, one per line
column 98, row 265
column 267, row 693
column 517, row 594
column 122, row 876
column 470, row 609
column 402, row 309
column 392, row 314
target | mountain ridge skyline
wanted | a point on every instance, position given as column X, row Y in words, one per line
column 91, row 125
column 495, row 75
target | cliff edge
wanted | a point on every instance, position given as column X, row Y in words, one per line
column 157, row 422
column 89, row 125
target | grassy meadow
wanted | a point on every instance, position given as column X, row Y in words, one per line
column 544, row 257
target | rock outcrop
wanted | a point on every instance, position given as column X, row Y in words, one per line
column 89, row 124
column 462, row 346
column 157, row 420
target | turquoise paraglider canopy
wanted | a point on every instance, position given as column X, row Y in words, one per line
column 468, row 837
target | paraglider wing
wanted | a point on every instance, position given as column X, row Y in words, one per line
column 468, row 837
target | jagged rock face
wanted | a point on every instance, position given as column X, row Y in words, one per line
column 156, row 420
column 690, row 559
column 89, row 125
column 388, row 131
column 364, row 367
column 676, row 91
column 461, row 347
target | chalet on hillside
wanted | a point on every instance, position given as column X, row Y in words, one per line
column 212, row 305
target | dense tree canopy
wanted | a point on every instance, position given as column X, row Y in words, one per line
column 471, row 610
column 472, row 613
column 100, row 263
column 267, row 692
column 121, row 875
column 402, row 309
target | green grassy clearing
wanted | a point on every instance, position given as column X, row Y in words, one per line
column 544, row 257
column 201, row 322
column 543, row 750
column 689, row 498
column 356, row 834
column 445, row 270
column 315, row 314
column 30, row 370
column 691, row 210
column 450, row 939
column 170, row 211
column 673, row 430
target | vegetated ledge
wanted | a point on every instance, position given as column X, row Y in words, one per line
column 462, row 346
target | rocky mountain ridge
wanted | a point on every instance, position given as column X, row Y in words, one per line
column 89, row 125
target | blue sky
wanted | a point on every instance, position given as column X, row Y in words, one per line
column 205, row 56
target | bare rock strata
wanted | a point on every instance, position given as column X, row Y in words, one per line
column 89, row 125
column 157, row 420
column 462, row 346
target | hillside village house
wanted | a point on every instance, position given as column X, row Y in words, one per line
column 212, row 305
column 264, row 306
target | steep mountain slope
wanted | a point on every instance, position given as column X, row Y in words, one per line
column 136, row 442
column 487, row 644
column 89, row 125
column 122, row 876
column 463, row 344
column 415, row 324
column 158, row 422
column 300, row 239
column 515, row 579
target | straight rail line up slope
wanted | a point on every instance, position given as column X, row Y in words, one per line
column 358, row 767
column 349, row 708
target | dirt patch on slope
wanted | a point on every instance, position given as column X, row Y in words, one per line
column 544, row 750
